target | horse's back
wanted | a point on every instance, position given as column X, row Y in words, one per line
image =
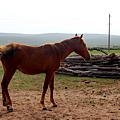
column 31, row 59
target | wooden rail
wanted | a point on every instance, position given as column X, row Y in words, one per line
column 101, row 66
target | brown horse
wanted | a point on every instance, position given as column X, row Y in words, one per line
column 34, row 60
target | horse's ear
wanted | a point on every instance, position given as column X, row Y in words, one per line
column 76, row 34
column 81, row 36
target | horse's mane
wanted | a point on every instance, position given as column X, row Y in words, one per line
column 63, row 44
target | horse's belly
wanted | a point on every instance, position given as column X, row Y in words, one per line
column 31, row 70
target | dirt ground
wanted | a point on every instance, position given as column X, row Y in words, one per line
column 73, row 104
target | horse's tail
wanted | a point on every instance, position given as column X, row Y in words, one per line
column 8, row 50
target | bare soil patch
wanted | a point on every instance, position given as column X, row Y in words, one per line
column 73, row 104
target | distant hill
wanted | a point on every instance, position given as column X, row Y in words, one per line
column 92, row 40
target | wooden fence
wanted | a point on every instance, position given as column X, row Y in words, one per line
column 101, row 66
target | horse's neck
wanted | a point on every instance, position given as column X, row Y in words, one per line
column 65, row 48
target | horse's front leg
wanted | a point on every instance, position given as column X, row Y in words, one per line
column 51, row 92
column 45, row 87
column 48, row 78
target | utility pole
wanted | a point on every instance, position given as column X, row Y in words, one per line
column 109, row 34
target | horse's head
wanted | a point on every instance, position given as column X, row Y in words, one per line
column 80, row 47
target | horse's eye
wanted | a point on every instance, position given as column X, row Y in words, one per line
column 84, row 44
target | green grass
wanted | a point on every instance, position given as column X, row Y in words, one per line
column 109, row 52
column 95, row 52
column 21, row 81
column 27, row 82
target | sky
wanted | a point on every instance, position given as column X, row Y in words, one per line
column 59, row 16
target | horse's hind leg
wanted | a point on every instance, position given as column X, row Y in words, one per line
column 5, row 82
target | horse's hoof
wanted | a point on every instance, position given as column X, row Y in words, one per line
column 54, row 105
column 44, row 108
column 9, row 109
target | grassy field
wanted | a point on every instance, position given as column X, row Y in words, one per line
column 21, row 81
column 95, row 52
column 109, row 52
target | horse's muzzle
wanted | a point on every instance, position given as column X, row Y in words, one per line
column 87, row 58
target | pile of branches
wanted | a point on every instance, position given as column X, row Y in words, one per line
column 100, row 66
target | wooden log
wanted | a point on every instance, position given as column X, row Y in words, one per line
column 100, row 76
column 108, row 73
column 106, row 66
column 94, row 67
